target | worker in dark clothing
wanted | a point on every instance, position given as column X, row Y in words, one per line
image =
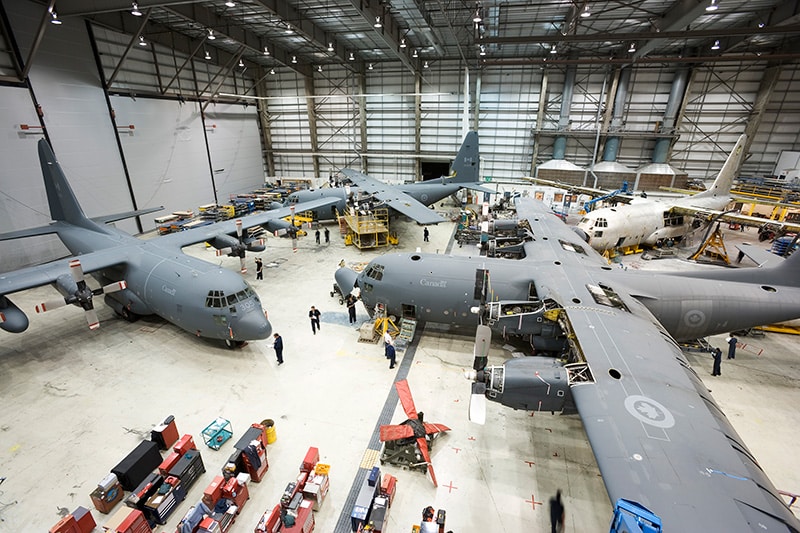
column 425, row 234
column 351, row 307
column 717, row 362
column 278, row 345
column 327, row 236
column 390, row 354
column 732, row 347
column 556, row 513
column 314, row 314
column 316, row 236
column 259, row 268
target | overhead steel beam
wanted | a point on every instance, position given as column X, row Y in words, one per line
column 389, row 32
column 82, row 8
column 677, row 18
column 128, row 49
column 641, row 36
column 37, row 40
column 545, row 61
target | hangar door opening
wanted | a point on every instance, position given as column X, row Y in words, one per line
column 432, row 170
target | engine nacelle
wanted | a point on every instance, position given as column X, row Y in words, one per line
column 14, row 319
column 529, row 383
column 524, row 318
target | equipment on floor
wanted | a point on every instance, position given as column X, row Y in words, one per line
column 294, row 513
column 633, row 517
column 408, row 444
column 371, row 509
column 217, row 433
column 78, row 521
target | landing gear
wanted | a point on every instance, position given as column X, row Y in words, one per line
column 126, row 314
column 232, row 344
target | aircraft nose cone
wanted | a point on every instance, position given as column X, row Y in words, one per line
column 346, row 280
column 252, row 326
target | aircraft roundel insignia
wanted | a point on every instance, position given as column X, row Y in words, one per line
column 424, row 198
column 694, row 318
column 649, row 411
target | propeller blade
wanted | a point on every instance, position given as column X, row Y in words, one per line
column 50, row 305
column 483, row 339
column 2, row 318
column 395, row 432
column 114, row 287
column 76, row 270
column 423, row 447
column 294, row 241
column 432, row 429
column 91, row 319
column 239, row 229
column 404, row 393
column 477, row 403
column 224, row 251
column 244, row 268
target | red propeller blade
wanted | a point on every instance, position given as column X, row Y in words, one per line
column 50, row 305
column 423, row 447
column 91, row 319
column 431, row 429
column 395, row 432
column 244, row 268
column 404, row 393
column 239, row 229
column 224, row 251
column 76, row 270
column 116, row 286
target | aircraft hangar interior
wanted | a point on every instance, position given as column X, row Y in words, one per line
column 581, row 211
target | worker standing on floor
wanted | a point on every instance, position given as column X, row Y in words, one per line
column 278, row 345
column 351, row 307
column 327, row 236
column 425, row 234
column 259, row 268
column 316, row 235
column 717, row 362
column 732, row 347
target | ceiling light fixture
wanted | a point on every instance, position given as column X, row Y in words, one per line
column 483, row 50
column 761, row 24
column 632, row 48
column 403, row 42
column 425, row 65
column 241, row 63
column 319, row 68
column 135, row 10
column 352, row 57
column 230, row 3
column 208, row 56
column 288, row 28
column 553, row 49
column 211, row 35
column 330, row 47
column 142, row 41
column 715, row 46
column 415, row 54
column 294, row 59
column 378, row 23
column 712, row 6
column 54, row 17
column 266, row 51
column 272, row 71
column 369, row 67
column 586, row 13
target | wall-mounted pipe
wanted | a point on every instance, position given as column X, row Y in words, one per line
column 676, row 93
column 560, row 144
column 611, row 149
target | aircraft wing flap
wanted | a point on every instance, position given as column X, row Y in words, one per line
column 366, row 183
column 658, row 436
column 38, row 275
column 735, row 218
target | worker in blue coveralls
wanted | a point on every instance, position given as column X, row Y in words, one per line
column 717, row 362
column 732, row 347
column 278, row 345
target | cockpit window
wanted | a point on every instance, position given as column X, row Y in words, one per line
column 375, row 272
column 218, row 298
column 215, row 299
column 601, row 223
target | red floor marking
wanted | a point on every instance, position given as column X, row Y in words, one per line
column 456, row 400
column 548, row 429
column 533, row 502
column 532, row 413
column 471, row 438
column 450, row 487
column 530, row 464
column 456, row 449
column 555, row 454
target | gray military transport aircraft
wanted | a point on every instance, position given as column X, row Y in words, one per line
column 605, row 345
column 412, row 199
column 143, row 277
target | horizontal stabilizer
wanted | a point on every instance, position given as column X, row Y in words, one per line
column 760, row 256
column 31, row 232
column 128, row 214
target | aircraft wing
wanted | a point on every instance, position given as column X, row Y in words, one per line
column 393, row 197
column 658, row 436
column 591, row 191
column 38, row 275
column 228, row 227
column 736, row 218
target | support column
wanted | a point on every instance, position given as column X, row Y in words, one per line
column 417, row 124
column 263, row 121
column 611, row 148
column 476, row 117
column 539, row 120
column 560, row 144
column 765, row 90
column 676, row 95
column 362, row 120
column 312, row 122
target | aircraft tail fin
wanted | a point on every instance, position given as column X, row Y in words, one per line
column 466, row 165
column 63, row 204
column 722, row 184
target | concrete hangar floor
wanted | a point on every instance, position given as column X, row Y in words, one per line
column 75, row 402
